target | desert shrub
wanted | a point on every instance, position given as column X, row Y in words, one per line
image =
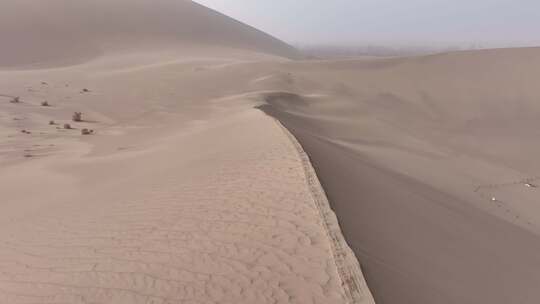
column 51, row 122
column 67, row 126
column 77, row 116
column 15, row 100
column 45, row 104
column 87, row 132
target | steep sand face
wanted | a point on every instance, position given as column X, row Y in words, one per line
column 38, row 33
column 431, row 164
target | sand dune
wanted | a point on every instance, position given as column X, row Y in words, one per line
column 181, row 196
column 187, row 193
column 53, row 32
column 184, row 192
column 189, row 223
column 431, row 166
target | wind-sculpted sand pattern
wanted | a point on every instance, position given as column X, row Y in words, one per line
column 241, row 228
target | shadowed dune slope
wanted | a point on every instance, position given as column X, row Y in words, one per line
column 431, row 164
column 37, row 31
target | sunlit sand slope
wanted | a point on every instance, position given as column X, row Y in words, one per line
column 53, row 32
column 184, row 193
column 219, row 215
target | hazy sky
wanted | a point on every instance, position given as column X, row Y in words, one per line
column 417, row 22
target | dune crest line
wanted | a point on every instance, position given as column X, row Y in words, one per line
column 348, row 266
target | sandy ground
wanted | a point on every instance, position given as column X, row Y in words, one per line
column 431, row 175
column 187, row 193
column 184, row 193
column 431, row 164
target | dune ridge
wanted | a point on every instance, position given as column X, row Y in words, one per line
column 400, row 146
column 187, row 193
column 232, row 223
column 184, row 194
column 348, row 267
column 430, row 163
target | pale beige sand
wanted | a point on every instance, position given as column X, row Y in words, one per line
column 171, row 201
column 431, row 165
column 410, row 151
column 197, row 219
column 184, row 194
column 53, row 32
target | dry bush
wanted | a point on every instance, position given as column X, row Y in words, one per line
column 87, row 132
column 67, row 126
column 15, row 100
column 45, row 104
column 51, row 122
column 77, row 116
